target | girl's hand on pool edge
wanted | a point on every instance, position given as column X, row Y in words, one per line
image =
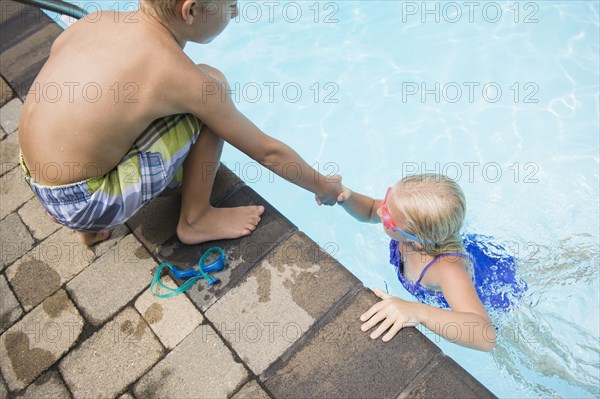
column 393, row 313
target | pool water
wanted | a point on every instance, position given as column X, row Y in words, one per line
column 501, row 96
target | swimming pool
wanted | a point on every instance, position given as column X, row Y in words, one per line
column 501, row 96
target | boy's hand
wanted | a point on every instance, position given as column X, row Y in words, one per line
column 333, row 189
column 393, row 313
column 342, row 197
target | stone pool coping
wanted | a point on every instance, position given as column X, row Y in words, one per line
column 283, row 322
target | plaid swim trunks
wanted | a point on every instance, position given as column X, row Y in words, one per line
column 153, row 165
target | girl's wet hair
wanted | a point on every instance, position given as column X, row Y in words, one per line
column 432, row 207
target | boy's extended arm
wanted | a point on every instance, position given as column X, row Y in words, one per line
column 209, row 99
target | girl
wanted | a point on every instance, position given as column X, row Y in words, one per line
column 423, row 215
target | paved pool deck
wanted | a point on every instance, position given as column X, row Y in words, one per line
column 282, row 323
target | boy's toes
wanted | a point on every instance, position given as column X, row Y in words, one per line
column 89, row 239
column 104, row 235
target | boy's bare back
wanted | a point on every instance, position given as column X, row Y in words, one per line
column 108, row 77
column 119, row 110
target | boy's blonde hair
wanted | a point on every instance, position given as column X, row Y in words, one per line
column 432, row 208
column 161, row 9
column 165, row 9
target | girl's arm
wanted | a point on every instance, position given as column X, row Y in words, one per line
column 476, row 329
column 466, row 324
column 463, row 328
column 362, row 207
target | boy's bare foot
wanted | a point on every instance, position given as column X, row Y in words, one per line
column 88, row 238
column 220, row 223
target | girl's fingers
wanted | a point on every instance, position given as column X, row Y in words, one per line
column 383, row 327
column 392, row 331
column 372, row 310
column 374, row 320
column 381, row 294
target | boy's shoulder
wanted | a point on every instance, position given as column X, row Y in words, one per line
column 109, row 31
column 115, row 49
column 117, row 43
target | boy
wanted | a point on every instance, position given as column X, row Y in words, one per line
column 135, row 116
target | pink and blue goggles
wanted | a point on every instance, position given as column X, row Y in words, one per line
column 389, row 223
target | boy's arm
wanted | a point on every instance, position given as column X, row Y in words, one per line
column 362, row 207
column 209, row 99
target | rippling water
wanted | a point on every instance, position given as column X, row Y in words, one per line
column 502, row 96
column 525, row 151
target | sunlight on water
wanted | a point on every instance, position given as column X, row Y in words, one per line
column 502, row 96
column 526, row 155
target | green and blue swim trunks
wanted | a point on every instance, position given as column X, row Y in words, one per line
column 153, row 165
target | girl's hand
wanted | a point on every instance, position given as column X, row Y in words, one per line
column 393, row 313
column 344, row 195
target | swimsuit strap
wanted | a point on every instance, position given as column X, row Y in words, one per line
column 435, row 259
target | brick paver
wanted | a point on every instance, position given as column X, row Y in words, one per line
column 116, row 235
column 171, row 319
column 49, row 386
column 14, row 192
column 225, row 182
column 9, row 152
column 242, row 253
column 446, row 379
column 38, row 340
column 156, row 222
column 9, row 115
column 112, row 280
column 45, row 268
column 111, row 359
column 341, row 361
column 251, row 391
column 15, row 240
column 201, row 366
column 10, row 310
column 279, row 300
column 37, row 219
column 6, row 93
column 20, row 62
column 3, row 390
